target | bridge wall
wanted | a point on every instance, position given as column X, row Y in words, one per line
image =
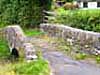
column 16, row 39
column 75, row 36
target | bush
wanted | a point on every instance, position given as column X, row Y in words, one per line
column 24, row 12
column 83, row 19
column 46, row 4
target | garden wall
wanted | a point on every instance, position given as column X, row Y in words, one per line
column 16, row 39
column 75, row 36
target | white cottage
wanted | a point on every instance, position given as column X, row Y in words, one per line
column 91, row 4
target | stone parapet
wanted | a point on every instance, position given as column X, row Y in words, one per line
column 16, row 39
column 82, row 37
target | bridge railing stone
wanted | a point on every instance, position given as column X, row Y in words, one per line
column 82, row 37
column 16, row 39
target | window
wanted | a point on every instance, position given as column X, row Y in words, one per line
column 98, row 4
column 85, row 4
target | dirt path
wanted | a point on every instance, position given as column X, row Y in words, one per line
column 62, row 64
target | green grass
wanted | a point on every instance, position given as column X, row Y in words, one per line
column 80, row 56
column 39, row 67
column 62, row 11
column 32, row 32
column 4, row 50
column 97, row 59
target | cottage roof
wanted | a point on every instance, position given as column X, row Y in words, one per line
column 88, row 0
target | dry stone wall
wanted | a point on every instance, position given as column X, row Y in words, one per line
column 16, row 39
column 75, row 36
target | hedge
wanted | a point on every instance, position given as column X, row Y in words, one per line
column 83, row 19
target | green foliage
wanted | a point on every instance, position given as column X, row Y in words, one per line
column 46, row 4
column 4, row 50
column 98, row 59
column 80, row 56
column 83, row 19
column 39, row 67
column 24, row 12
column 32, row 32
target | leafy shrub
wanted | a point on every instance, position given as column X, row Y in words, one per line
column 24, row 12
column 83, row 19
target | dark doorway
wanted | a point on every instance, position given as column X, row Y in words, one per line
column 15, row 53
column 85, row 4
column 98, row 4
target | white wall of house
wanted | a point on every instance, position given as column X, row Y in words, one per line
column 81, row 4
column 91, row 5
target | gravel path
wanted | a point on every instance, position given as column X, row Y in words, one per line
column 62, row 64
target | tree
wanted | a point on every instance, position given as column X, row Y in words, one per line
column 24, row 12
column 46, row 4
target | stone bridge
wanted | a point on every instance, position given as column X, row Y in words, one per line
column 16, row 39
column 75, row 36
